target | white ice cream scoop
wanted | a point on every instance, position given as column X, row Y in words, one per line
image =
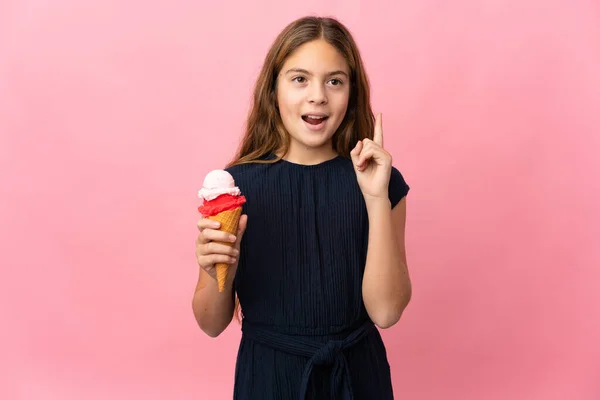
column 216, row 183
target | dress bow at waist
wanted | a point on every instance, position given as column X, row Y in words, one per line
column 329, row 353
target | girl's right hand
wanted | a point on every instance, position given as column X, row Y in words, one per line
column 208, row 249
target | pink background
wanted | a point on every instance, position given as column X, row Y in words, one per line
column 491, row 110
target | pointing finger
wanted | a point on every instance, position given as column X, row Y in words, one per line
column 378, row 133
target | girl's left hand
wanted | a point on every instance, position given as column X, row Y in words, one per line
column 372, row 164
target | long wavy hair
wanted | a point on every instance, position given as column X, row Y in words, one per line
column 265, row 133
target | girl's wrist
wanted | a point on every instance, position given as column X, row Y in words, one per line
column 374, row 203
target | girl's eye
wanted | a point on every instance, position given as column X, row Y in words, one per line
column 301, row 79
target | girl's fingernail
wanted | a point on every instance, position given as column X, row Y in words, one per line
column 232, row 238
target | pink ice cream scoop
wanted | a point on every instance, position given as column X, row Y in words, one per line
column 217, row 183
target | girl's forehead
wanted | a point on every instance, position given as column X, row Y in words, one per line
column 316, row 57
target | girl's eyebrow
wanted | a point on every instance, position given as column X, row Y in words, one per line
column 303, row 71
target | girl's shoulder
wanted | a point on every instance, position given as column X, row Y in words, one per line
column 247, row 170
column 398, row 188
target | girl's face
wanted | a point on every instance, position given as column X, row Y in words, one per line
column 313, row 89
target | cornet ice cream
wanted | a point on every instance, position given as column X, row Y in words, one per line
column 221, row 201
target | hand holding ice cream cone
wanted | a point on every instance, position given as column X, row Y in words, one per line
column 221, row 226
column 211, row 250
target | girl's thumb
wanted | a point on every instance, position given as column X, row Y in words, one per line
column 355, row 153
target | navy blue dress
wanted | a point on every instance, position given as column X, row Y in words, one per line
column 305, row 332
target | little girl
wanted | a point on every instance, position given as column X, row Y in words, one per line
column 319, row 259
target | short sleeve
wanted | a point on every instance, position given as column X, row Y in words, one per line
column 398, row 188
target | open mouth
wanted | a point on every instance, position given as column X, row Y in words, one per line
column 314, row 119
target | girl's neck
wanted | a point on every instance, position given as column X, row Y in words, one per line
column 309, row 156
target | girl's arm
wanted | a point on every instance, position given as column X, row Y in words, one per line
column 213, row 310
column 386, row 287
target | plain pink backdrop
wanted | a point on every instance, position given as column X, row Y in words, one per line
column 111, row 112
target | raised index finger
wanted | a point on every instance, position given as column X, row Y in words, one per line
column 378, row 133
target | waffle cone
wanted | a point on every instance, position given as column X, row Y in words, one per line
column 229, row 223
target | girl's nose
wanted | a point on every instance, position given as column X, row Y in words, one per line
column 317, row 95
